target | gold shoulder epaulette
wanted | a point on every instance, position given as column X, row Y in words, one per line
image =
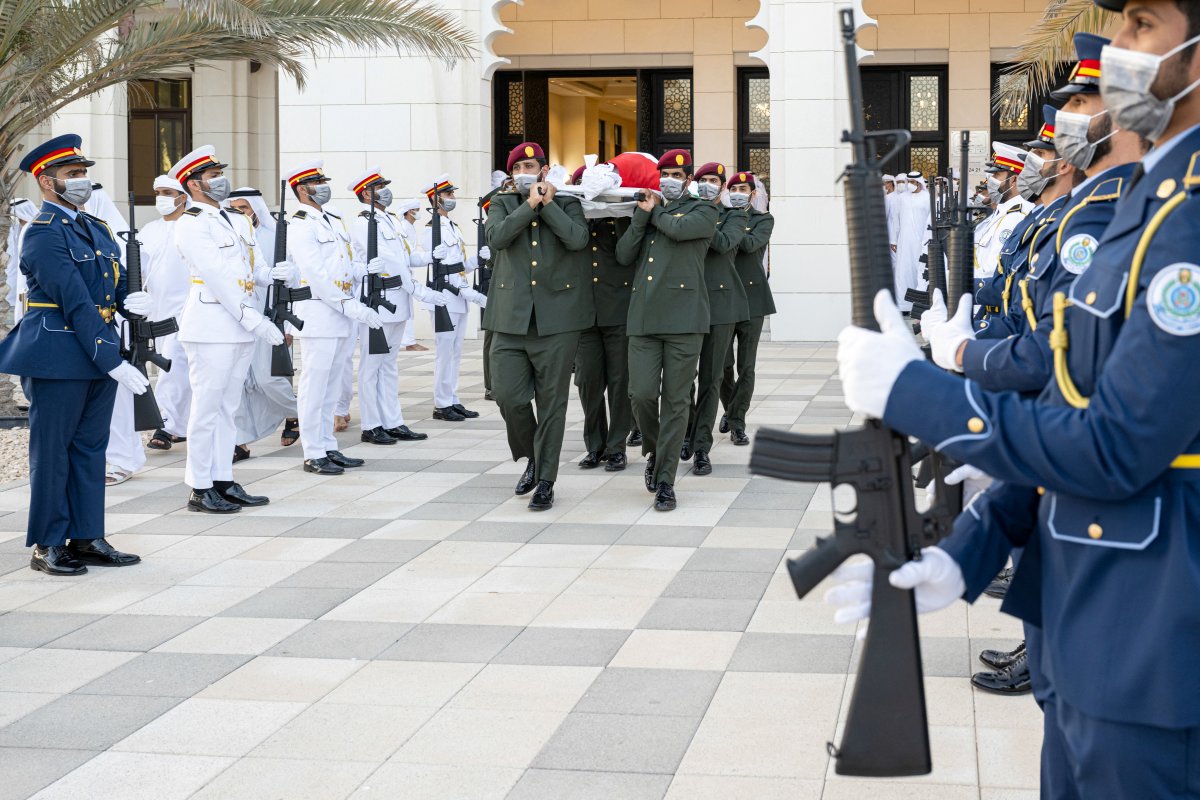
column 365, row 214
column 194, row 211
column 1107, row 190
column 300, row 214
column 234, row 210
column 1192, row 179
column 44, row 218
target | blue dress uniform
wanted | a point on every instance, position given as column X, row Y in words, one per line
column 1111, row 450
column 63, row 348
column 998, row 292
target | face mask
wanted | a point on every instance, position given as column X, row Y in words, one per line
column 218, row 189
column 384, row 197
column 320, row 194
column 707, row 191
column 524, row 182
column 671, row 188
column 76, row 191
column 1125, row 80
column 449, row 203
column 993, row 189
column 739, row 200
column 1030, row 184
column 977, row 199
column 165, row 205
column 1071, row 138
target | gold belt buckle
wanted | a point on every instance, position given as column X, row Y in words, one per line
column 106, row 314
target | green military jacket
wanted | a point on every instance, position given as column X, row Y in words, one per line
column 727, row 299
column 610, row 281
column 667, row 246
column 538, row 274
column 749, row 263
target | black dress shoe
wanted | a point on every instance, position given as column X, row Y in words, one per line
column 999, row 659
column 466, row 412
column 237, row 495
column 403, row 434
column 100, row 553
column 664, row 498
column 56, row 560
column 724, row 426
column 240, row 453
column 635, row 438
column 651, row 485
column 739, row 437
column 343, row 461
column 1013, row 679
column 543, row 496
column 448, row 415
column 616, row 463
column 685, row 452
column 322, row 466
column 702, row 465
column 378, row 436
column 210, row 501
column 591, row 460
column 526, row 483
column 999, row 585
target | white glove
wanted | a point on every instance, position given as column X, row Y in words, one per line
column 871, row 362
column 426, row 295
column 128, row 376
column 441, row 252
column 937, row 578
column 947, row 336
column 935, row 315
column 965, row 473
column 138, row 303
column 283, row 271
column 473, row 296
column 375, row 266
column 485, row 253
column 268, row 332
column 360, row 312
column 453, row 257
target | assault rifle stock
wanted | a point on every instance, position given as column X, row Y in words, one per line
column 280, row 296
column 374, row 287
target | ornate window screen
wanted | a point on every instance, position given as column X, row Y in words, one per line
column 925, row 160
column 516, row 108
column 677, row 106
column 923, row 96
column 759, row 109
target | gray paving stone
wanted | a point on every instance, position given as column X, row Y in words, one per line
column 474, row 643
column 28, row 771
column 165, row 675
column 806, row 538
column 127, row 632
column 771, row 501
column 580, row 533
column 753, row 518
column 729, row 470
column 393, row 465
column 698, row 614
column 163, row 501
column 734, row 559
column 563, row 647
column 451, row 511
column 496, row 531
column 340, row 639
column 85, row 721
column 380, row 551
column 336, row 528
column 338, row 575
column 477, row 494
column 35, row 628
column 290, row 603
column 178, row 523
column 618, row 743
column 472, row 467
column 489, row 481
column 761, row 485
column 673, row 692
column 792, row 652
column 941, row 657
column 255, row 525
column 719, row 585
column 665, row 535
column 541, row 784
column 11, row 562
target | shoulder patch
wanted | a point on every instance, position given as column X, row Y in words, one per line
column 1077, row 252
column 1004, row 235
column 44, row 218
column 1106, row 190
column 194, row 211
column 300, row 215
column 1173, row 299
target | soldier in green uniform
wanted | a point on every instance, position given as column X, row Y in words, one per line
column 538, row 302
column 602, row 363
column 668, row 315
column 728, row 307
column 736, row 392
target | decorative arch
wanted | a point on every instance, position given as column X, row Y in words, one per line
column 493, row 28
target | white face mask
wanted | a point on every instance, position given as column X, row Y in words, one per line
column 1125, row 80
column 671, row 188
column 166, row 205
column 993, row 189
column 707, row 191
column 1071, row 137
column 1031, row 183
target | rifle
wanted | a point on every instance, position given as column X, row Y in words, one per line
column 138, row 333
column 441, row 317
column 934, row 255
column 280, row 296
column 375, row 286
column 960, row 242
column 483, row 273
column 886, row 731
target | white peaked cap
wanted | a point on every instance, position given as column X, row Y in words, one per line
column 371, row 175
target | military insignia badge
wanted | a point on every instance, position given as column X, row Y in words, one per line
column 1004, row 236
column 1174, row 299
column 1077, row 252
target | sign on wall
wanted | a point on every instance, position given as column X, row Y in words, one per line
column 977, row 156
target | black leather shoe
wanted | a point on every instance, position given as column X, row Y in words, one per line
column 378, row 436
column 56, row 560
column 543, row 496
column 635, row 438
column 343, row 461
column 448, row 415
column 466, row 412
column 616, row 462
column 685, row 452
column 210, row 501
column 702, row 466
column 664, row 498
column 1014, row 679
column 240, row 453
column 322, row 466
column 526, row 483
column 724, row 426
column 999, row 585
column 739, row 437
column 591, row 460
column 999, row 659
column 651, row 485
column 403, row 434
column 99, row 553
column 237, row 495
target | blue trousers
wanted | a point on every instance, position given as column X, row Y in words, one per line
column 68, row 434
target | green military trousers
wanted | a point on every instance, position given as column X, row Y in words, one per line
column 736, row 392
column 527, row 370
column 602, row 366
column 711, row 375
column 487, row 361
column 661, row 371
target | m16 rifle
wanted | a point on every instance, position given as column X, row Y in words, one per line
column 935, row 254
column 280, row 296
column 960, row 240
column 483, row 273
column 886, row 732
column 439, row 272
column 138, row 333
column 375, row 286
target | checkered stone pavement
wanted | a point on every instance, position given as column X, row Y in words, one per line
column 411, row 630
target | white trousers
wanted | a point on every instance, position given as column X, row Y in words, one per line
column 174, row 388
column 217, row 372
column 318, row 389
column 125, row 451
column 379, row 380
column 449, row 359
column 342, row 407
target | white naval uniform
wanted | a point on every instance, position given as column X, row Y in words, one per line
column 989, row 241
column 379, row 375
column 166, row 278
column 450, row 344
column 216, row 331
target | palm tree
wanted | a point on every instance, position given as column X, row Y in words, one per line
column 55, row 52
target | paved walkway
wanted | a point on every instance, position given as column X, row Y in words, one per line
column 411, row 631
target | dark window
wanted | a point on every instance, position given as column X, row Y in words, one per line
column 1019, row 122
column 913, row 99
column 664, row 110
column 618, row 140
column 160, row 131
column 602, row 149
column 754, row 123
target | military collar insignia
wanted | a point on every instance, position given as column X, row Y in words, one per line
column 302, row 214
column 194, row 211
column 1109, row 189
column 1192, row 179
column 1173, row 299
column 44, row 218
